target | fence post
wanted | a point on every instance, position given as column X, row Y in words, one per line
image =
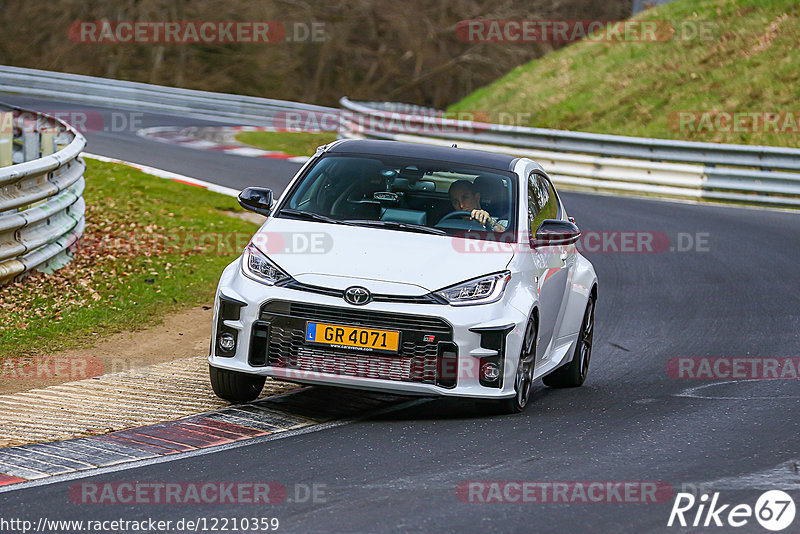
column 49, row 131
column 30, row 140
column 48, row 142
column 6, row 138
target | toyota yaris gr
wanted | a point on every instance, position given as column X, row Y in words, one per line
column 408, row 269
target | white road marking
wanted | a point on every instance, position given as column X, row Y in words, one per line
column 695, row 392
column 168, row 175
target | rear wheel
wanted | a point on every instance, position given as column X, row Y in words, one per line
column 235, row 386
column 523, row 380
column 574, row 373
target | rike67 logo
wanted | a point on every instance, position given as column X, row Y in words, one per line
column 774, row 510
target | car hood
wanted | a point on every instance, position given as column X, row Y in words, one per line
column 384, row 261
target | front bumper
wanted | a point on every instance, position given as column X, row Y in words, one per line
column 268, row 328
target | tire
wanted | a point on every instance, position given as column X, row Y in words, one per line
column 574, row 373
column 523, row 378
column 235, row 386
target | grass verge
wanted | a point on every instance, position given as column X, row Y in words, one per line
column 727, row 58
column 292, row 143
column 151, row 247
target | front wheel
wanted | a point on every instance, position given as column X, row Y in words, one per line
column 235, row 386
column 574, row 373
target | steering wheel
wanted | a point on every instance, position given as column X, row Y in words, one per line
column 461, row 215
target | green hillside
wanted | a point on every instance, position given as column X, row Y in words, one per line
column 730, row 73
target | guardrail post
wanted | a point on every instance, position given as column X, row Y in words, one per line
column 48, row 142
column 30, row 140
column 6, row 138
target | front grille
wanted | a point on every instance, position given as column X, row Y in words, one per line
column 419, row 360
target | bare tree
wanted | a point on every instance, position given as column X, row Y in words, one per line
column 374, row 49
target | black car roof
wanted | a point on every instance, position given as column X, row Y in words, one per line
column 477, row 158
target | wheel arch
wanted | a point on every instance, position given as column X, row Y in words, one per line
column 534, row 313
column 584, row 286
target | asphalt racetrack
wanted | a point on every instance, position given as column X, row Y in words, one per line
column 725, row 286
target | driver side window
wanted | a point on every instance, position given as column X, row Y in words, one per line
column 542, row 201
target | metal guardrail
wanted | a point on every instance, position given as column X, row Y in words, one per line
column 41, row 203
column 738, row 173
column 41, row 186
column 705, row 171
column 207, row 105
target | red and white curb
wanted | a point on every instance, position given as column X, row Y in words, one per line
column 175, row 177
column 182, row 136
column 297, row 410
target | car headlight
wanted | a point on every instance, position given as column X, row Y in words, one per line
column 481, row 290
column 257, row 266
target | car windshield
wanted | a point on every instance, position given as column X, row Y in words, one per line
column 407, row 194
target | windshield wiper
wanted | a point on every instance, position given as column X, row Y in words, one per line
column 298, row 214
column 400, row 226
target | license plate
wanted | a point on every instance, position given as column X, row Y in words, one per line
column 351, row 337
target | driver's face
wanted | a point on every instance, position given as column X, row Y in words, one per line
column 464, row 200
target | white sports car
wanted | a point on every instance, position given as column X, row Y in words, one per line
column 408, row 269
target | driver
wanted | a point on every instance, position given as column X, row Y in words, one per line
column 464, row 198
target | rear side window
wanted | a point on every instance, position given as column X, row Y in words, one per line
column 542, row 201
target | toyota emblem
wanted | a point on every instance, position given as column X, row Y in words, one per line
column 357, row 295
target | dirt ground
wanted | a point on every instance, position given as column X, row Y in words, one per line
column 181, row 335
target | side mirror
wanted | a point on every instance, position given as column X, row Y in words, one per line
column 257, row 199
column 553, row 232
